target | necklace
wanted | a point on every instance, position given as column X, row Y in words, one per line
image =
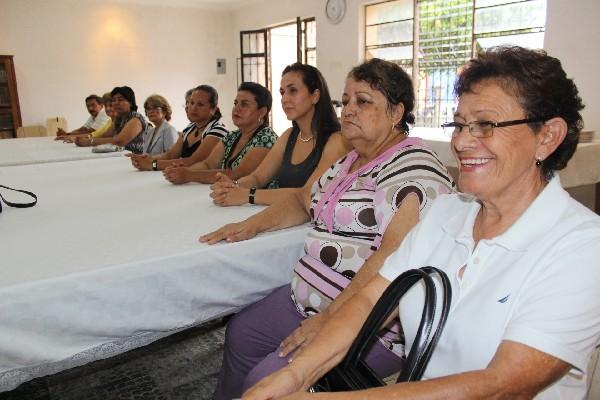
column 302, row 139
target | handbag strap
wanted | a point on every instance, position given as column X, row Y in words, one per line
column 421, row 351
column 445, row 311
column 17, row 205
column 424, row 343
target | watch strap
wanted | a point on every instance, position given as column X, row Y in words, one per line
column 251, row 195
column 155, row 165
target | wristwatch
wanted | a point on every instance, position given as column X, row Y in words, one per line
column 251, row 195
column 155, row 165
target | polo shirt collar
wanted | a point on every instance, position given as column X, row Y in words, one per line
column 460, row 224
column 539, row 218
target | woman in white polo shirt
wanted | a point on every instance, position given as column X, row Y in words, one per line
column 521, row 254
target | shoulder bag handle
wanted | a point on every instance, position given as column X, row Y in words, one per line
column 17, row 205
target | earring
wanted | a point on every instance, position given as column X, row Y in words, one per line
column 538, row 162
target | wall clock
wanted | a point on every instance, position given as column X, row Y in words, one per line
column 335, row 10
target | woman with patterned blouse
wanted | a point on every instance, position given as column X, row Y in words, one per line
column 240, row 152
column 199, row 137
column 360, row 211
column 129, row 125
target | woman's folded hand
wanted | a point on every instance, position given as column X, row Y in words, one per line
column 176, row 175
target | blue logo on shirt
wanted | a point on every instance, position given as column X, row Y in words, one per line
column 504, row 299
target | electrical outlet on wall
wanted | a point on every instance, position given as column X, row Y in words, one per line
column 221, row 67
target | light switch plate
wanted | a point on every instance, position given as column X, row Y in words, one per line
column 221, row 67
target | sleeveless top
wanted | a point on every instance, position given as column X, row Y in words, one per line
column 214, row 128
column 295, row 175
column 136, row 145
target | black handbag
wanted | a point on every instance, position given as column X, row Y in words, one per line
column 353, row 373
column 17, row 205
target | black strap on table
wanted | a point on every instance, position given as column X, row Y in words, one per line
column 17, row 205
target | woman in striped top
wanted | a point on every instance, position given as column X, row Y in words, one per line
column 198, row 139
column 360, row 211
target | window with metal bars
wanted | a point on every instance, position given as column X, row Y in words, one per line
column 266, row 52
column 441, row 35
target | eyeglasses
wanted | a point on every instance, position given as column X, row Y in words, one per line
column 150, row 109
column 483, row 129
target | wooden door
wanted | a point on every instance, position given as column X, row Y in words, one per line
column 10, row 112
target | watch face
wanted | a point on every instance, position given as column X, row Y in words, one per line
column 335, row 10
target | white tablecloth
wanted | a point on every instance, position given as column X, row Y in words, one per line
column 109, row 260
column 45, row 149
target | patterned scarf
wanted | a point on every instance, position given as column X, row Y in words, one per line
column 326, row 205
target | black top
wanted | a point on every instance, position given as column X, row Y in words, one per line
column 295, row 175
column 136, row 145
column 213, row 128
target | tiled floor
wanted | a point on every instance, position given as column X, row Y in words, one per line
column 182, row 366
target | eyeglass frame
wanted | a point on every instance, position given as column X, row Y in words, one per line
column 150, row 109
column 492, row 125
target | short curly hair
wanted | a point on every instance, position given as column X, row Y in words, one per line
column 393, row 82
column 541, row 87
column 157, row 100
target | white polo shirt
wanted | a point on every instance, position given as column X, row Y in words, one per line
column 537, row 284
column 97, row 122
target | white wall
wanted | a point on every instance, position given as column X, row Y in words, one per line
column 572, row 35
column 338, row 46
column 67, row 49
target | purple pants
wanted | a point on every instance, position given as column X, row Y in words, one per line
column 252, row 342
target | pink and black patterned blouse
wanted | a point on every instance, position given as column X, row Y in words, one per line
column 360, row 218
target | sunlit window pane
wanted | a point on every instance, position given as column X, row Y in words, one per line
column 488, row 3
column 390, row 11
column 311, row 34
column 246, row 43
column 254, row 70
column 393, row 32
column 311, row 57
column 450, row 32
column 529, row 40
column 511, row 17
column 391, row 53
column 260, row 43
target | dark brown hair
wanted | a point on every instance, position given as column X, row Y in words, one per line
column 541, row 87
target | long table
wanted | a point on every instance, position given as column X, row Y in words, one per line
column 38, row 150
column 109, row 260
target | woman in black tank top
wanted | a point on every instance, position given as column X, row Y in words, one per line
column 198, row 138
column 302, row 153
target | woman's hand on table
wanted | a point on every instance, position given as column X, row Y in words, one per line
column 226, row 192
column 303, row 335
column 231, row 233
column 83, row 141
column 176, row 174
column 143, row 162
column 275, row 386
